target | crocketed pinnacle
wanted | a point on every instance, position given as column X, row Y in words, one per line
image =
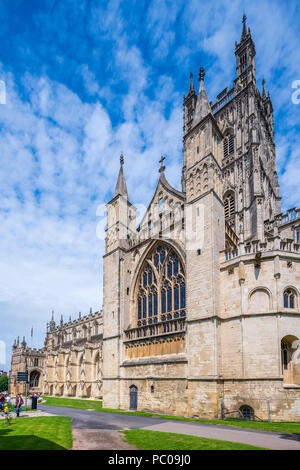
column 203, row 107
column 121, row 187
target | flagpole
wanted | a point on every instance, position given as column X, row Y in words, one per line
column 31, row 333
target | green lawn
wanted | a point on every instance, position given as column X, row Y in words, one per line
column 155, row 440
column 73, row 403
column 288, row 428
column 49, row 433
column 12, row 407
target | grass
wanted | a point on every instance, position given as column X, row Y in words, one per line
column 95, row 405
column 286, row 428
column 11, row 407
column 155, row 440
column 49, row 433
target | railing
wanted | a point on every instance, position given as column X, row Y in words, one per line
column 256, row 246
column 231, row 254
column 219, row 104
column 156, row 329
column 291, row 215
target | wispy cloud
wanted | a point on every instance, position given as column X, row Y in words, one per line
column 87, row 80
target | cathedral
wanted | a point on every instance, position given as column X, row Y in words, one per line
column 201, row 307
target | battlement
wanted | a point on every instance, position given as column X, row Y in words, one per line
column 222, row 99
column 76, row 322
column 255, row 247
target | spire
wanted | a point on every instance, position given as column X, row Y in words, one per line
column 191, row 87
column 244, row 32
column 263, row 94
column 52, row 322
column 121, row 188
column 202, row 107
column 23, row 344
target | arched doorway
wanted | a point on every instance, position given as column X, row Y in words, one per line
column 247, row 412
column 133, row 392
column 290, row 347
column 34, row 379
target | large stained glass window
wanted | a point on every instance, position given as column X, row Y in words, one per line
column 161, row 287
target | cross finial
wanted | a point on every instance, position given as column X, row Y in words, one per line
column 162, row 166
column 201, row 74
column 244, row 32
column 121, row 159
column 161, row 161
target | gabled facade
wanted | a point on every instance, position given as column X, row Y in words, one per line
column 201, row 302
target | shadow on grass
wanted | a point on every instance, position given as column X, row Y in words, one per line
column 25, row 442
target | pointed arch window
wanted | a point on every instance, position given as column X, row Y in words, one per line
column 229, row 205
column 285, row 354
column 161, row 287
column 228, row 145
column 289, row 298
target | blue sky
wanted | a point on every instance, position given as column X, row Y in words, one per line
column 87, row 80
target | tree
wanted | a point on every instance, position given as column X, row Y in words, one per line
column 3, row 383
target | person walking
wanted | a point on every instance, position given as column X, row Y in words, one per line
column 19, row 403
column 2, row 399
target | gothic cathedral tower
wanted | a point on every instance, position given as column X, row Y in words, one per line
column 121, row 223
column 204, row 229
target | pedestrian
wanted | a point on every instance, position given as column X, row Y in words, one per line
column 7, row 399
column 18, row 405
column 2, row 399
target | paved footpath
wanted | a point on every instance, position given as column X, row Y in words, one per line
column 84, row 421
column 28, row 414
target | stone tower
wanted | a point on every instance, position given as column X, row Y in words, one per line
column 121, row 227
column 248, row 160
column 205, row 235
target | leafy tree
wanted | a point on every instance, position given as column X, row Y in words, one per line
column 3, row 383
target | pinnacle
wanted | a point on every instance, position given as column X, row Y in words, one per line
column 202, row 106
column 121, row 187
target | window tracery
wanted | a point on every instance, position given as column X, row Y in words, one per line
column 161, row 287
column 289, row 298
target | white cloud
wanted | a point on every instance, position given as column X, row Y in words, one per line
column 60, row 159
column 60, row 151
